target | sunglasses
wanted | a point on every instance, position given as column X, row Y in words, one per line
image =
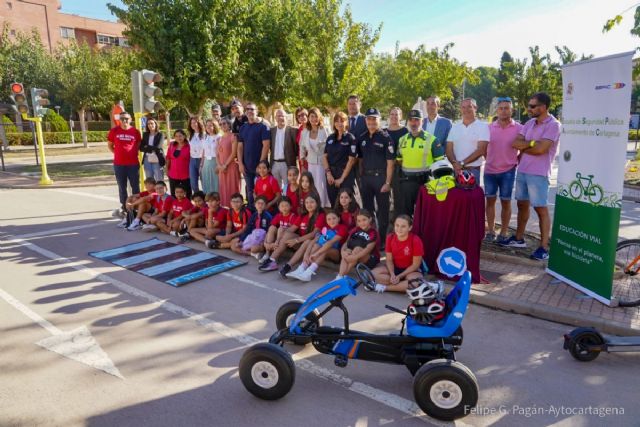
column 125, row 118
column 250, row 109
column 504, row 99
column 532, row 106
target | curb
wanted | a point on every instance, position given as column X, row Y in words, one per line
column 550, row 313
column 510, row 259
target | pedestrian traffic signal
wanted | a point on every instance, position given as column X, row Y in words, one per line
column 19, row 98
column 144, row 91
column 39, row 99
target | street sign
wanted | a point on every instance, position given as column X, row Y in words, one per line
column 452, row 262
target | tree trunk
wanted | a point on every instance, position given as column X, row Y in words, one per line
column 83, row 128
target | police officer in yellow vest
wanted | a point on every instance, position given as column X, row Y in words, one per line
column 415, row 155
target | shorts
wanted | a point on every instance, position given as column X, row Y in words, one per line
column 503, row 182
column 255, row 238
column 534, row 188
column 398, row 270
column 372, row 261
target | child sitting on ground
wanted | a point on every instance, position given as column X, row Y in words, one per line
column 180, row 208
column 291, row 189
column 250, row 242
column 216, row 220
column 137, row 205
column 197, row 217
column 326, row 245
column 362, row 246
column 275, row 236
column 161, row 202
column 347, row 208
column 237, row 219
column 299, row 233
column 266, row 185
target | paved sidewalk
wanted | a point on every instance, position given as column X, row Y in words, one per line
column 525, row 288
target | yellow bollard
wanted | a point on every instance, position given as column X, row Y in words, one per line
column 138, row 121
column 44, row 177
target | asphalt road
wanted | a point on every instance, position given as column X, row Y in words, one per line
column 173, row 352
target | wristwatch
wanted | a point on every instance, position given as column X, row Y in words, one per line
column 461, row 163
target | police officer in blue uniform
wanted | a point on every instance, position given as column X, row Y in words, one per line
column 377, row 158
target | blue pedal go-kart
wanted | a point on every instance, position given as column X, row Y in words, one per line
column 443, row 387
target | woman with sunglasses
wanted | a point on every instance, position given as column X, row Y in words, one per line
column 178, row 159
column 124, row 142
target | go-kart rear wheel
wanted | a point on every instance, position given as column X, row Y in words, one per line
column 579, row 346
column 267, row 371
column 287, row 312
column 445, row 389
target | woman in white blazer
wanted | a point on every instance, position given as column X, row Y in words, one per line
column 312, row 142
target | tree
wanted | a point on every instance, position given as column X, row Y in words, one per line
column 194, row 44
column 84, row 79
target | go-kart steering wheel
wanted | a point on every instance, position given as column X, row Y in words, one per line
column 366, row 276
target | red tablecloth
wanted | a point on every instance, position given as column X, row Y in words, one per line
column 457, row 221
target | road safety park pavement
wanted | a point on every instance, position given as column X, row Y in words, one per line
column 87, row 343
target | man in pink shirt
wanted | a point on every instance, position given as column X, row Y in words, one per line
column 500, row 168
column 538, row 145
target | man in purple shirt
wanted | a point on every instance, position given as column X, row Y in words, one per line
column 500, row 168
column 538, row 145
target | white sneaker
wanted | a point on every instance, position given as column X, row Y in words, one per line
column 306, row 275
column 149, row 227
column 380, row 288
column 173, row 233
column 338, row 277
column 295, row 274
column 257, row 255
column 123, row 223
column 135, row 225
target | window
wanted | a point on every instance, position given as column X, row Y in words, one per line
column 123, row 42
column 67, row 33
column 9, row 5
column 108, row 40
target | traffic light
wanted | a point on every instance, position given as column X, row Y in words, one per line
column 145, row 91
column 39, row 101
column 19, row 98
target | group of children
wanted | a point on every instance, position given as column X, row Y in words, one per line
column 281, row 220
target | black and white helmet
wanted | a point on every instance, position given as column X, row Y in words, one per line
column 422, row 292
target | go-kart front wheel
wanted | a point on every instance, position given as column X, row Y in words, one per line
column 267, row 371
column 287, row 312
column 445, row 389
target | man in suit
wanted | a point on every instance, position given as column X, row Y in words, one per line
column 283, row 147
column 437, row 126
column 357, row 121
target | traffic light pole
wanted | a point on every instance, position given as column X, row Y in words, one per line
column 44, row 178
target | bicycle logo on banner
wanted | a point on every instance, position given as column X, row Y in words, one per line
column 584, row 189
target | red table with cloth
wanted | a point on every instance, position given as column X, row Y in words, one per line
column 457, row 221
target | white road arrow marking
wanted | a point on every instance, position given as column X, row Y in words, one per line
column 450, row 261
column 76, row 345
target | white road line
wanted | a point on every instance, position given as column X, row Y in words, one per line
column 83, row 194
column 261, row 285
column 389, row 399
column 58, row 230
column 44, row 323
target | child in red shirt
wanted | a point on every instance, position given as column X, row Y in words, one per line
column 302, row 233
column 180, row 210
column 347, row 207
column 280, row 223
column 307, row 188
column 197, row 217
column 363, row 245
column 137, row 205
column 266, row 185
column 404, row 251
column 291, row 190
column 237, row 220
column 161, row 202
column 327, row 245
column 215, row 220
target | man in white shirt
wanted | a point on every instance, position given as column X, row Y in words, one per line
column 283, row 147
column 436, row 125
column 468, row 140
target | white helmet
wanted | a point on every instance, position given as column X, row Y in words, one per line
column 441, row 168
column 425, row 292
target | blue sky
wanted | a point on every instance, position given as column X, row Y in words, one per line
column 481, row 30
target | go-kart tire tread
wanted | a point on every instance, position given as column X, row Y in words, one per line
column 587, row 335
column 443, row 369
column 277, row 356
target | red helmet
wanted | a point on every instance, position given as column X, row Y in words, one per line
column 465, row 179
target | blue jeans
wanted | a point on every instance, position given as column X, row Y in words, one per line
column 124, row 173
column 194, row 173
column 153, row 170
column 503, row 182
column 534, row 188
column 250, row 181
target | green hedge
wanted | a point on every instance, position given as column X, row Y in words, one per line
column 25, row 138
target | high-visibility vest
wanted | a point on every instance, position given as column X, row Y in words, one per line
column 415, row 153
column 440, row 187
